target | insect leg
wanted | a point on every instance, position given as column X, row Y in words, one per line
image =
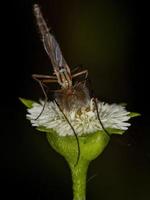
column 96, row 106
column 77, row 69
column 45, row 95
column 81, row 73
column 43, row 77
column 75, row 134
column 98, row 116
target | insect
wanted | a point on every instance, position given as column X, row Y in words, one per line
column 72, row 93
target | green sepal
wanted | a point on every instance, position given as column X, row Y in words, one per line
column 27, row 102
column 134, row 114
column 44, row 129
column 115, row 131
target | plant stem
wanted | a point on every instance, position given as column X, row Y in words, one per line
column 79, row 173
column 91, row 146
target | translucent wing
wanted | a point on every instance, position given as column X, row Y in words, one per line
column 50, row 44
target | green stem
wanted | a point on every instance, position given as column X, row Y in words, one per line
column 79, row 173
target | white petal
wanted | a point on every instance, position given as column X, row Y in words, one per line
column 83, row 122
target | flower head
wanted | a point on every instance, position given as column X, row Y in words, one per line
column 84, row 120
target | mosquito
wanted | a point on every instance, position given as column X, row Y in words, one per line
column 72, row 93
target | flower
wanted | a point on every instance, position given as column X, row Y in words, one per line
column 78, row 151
column 83, row 120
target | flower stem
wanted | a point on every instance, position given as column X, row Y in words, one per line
column 91, row 146
column 79, row 173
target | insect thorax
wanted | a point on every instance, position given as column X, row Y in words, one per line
column 74, row 97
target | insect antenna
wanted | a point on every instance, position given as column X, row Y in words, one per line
column 75, row 134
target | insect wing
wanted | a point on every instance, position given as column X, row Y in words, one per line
column 53, row 50
column 50, row 44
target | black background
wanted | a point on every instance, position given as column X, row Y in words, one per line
column 109, row 38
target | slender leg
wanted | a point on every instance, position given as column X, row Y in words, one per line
column 98, row 116
column 43, row 77
column 50, row 81
column 76, row 69
column 45, row 95
column 75, row 134
column 81, row 73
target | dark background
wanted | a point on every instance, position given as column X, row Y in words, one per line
column 110, row 39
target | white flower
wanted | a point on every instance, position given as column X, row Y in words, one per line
column 84, row 121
